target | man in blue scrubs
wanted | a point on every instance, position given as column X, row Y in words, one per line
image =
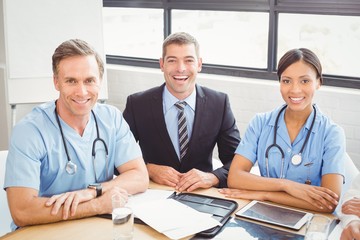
column 62, row 155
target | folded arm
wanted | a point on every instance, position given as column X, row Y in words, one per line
column 33, row 209
column 283, row 191
column 133, row 177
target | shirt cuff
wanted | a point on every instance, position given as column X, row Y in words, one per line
column 346, row 219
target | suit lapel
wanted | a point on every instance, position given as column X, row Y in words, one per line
column 198, row 121
column 159, row 122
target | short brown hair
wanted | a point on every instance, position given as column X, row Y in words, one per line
column 180, row 38
column 75, row 47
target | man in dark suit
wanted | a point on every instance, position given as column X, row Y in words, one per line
column 203, row 120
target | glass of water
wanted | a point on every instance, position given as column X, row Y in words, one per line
column 317, row 228
column 122, row 218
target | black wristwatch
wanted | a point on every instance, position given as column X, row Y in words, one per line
column 97, row 187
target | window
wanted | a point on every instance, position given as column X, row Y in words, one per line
column 239, row 37
column 334, row 39
column 133, row 32
column 220, row 43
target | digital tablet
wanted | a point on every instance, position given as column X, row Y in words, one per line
column 274, row 214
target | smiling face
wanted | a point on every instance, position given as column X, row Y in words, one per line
column 180, row 66
column 78, row 81
column 298, row 83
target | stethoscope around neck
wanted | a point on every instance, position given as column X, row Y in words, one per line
column 71, row 167
column 297, row 158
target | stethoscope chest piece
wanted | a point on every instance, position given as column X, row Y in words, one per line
column 71, row 168
column 296, row 159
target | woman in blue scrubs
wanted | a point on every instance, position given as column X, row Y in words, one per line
column 299, row 150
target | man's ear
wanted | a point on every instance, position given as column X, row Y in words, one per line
column 56, row 82
column 199, row 64
column 161, row 63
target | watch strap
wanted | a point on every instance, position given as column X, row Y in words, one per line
column 97, row 187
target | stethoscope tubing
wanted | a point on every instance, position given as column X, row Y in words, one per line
column 71, row 167
column 280, row 149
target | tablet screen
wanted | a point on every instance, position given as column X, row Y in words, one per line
column 274, row 214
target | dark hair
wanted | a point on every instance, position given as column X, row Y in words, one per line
column 75, row 47
column 180, row 38
column 300, row 54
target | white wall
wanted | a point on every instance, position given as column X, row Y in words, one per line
column 4, row 107
column 4, row 112
column 247, row 97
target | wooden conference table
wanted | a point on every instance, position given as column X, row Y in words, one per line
column 101, row 228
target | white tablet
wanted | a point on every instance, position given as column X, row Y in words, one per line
column 274, row 214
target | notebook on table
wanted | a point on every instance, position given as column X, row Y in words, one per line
column 221, row 209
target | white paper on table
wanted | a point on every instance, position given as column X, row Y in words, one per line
column 234, row 233
column 188, row 230
column 174, row 219
column 148, row 196
column 336, row 232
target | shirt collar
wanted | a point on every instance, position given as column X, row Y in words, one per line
column 274, row 115
column 311, row 117
column 307, row 123
column 169, row 100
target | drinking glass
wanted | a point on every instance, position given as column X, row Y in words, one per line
column 122, row 218
column 317, row 228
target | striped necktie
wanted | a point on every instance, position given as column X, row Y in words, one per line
column 182, row 129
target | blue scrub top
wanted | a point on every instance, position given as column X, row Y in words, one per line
column 325, row 150
column 37, row 157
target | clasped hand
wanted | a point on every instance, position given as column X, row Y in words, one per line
column 189, row 181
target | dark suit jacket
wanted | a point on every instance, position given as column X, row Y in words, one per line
column 214, row 123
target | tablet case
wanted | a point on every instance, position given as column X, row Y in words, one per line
column 220, row 208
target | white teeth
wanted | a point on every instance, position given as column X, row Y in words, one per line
column 296, row 99
column 81, row 102
column 181, row 77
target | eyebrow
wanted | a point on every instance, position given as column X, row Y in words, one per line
column 178, row 57
column 69, row 78
column 302, row 76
